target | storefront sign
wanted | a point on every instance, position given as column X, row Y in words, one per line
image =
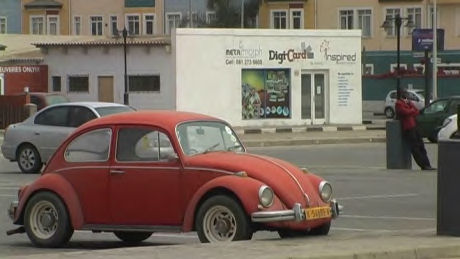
column 337, row 57
column 344, row 88
column 19, row 69
column 243, row 55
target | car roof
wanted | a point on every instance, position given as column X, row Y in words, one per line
column 88, row 104
column 161, row 118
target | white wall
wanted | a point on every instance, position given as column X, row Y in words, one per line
column 206, row 84
column 108, row 61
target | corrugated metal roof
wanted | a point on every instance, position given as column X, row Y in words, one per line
column 141, row 41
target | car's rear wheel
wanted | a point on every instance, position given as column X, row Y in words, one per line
column 47, row 221
column 29, row 160
column 221, row 218
column 132, row 237
column 389, row 112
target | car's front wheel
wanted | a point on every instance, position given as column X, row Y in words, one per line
column 132, row 237
column 221, row 218
column 389, row 112
column 29, row 160
column 47, row 221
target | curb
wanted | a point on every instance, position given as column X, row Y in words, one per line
column 326, row 128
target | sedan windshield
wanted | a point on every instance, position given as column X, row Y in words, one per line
column 104, row 111
column 202, row 137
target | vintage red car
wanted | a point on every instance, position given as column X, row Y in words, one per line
column 140, row 172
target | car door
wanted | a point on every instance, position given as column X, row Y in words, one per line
column 49, row 130
column 87, row 168
column 432, row 117
column 145, row 186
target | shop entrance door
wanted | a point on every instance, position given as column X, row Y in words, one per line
column 105, row 91
column 314, row 97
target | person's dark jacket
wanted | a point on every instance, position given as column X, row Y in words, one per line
column 406, row 112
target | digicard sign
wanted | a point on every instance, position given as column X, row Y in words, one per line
column 422, row 39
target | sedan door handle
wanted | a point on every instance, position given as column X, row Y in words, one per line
column 117, row 172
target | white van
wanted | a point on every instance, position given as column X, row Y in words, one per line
column 415, row 95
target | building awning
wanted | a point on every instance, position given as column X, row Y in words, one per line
column 38, row 4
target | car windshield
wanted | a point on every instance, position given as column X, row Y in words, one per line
column 55, row 99
column 204, row 136
column 104, row 111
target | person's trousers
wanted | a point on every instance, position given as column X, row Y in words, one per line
column 417, row 147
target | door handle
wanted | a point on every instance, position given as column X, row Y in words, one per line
column 117, row 172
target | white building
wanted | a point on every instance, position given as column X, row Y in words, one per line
column 250, row 77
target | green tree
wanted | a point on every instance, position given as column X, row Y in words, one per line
column 228, row 13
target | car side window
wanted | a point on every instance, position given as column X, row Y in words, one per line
column 79, row 116
column 413, row 97
column 454, row 106
column 92, row 146
column 143, row 144
column 435, row 107
column 56, row 116
column 393, row 95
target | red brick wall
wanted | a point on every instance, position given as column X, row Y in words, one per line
column 18, row 77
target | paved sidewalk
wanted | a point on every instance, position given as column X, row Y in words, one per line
column 410, row 246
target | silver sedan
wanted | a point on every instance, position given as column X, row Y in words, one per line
column 34, row 140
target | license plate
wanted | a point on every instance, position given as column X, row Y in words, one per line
column 318, row 213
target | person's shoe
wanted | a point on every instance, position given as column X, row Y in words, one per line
column 429, row 168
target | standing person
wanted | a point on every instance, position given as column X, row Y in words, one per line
column 406, row 112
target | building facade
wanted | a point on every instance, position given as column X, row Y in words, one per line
column 281, row 14
column 10, row 17
column 178, row 13
column 49, row 17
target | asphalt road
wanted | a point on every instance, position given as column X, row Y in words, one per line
column 376, row 200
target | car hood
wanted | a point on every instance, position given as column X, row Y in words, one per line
column 290, row 183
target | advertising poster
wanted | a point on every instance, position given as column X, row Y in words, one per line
column 265, row 93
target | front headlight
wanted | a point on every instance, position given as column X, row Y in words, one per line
column 266, row 196
column 325, row 190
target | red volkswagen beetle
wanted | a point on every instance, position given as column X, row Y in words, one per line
column 136, row 173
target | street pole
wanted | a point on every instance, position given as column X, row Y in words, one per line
column 398, row 23
column 126, row 94
column 242, row 13
column 435, row 51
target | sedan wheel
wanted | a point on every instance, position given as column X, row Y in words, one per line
column 46, row 221
column 221, row 218
column 29, row 160
column 132, row 237
column 389, row 113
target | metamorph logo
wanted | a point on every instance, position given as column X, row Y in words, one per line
column 337, row 57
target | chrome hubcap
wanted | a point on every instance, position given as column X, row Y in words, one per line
column 27, row 159
column 219, row 224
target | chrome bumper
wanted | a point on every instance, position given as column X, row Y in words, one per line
column 12, row 209
column 295, row 214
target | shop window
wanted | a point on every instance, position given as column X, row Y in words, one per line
column 149, row 24
column 414, row 15
column 368, row 69
column 114, row 25
column 210, row 17
column 173, row 21
column 56, row 81
column 133, row 24
column 96, row 25
column 37, row 25
column 296, row 19
column 78, row 84
column 356, row 19
column 77, row 25
column 279, row 19
column 2, row 25
column 390, row 15
column 144, row 83
column 266, row 93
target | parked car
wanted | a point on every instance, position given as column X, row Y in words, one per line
column 136, row 173
column 34, row 140
column 449, row 129
column 415, row 95
column 43, row 99
column 430, row 119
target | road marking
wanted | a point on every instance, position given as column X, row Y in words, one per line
column 8, row 196
column 384, row 217
column 386, row 230
column 384, row 196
